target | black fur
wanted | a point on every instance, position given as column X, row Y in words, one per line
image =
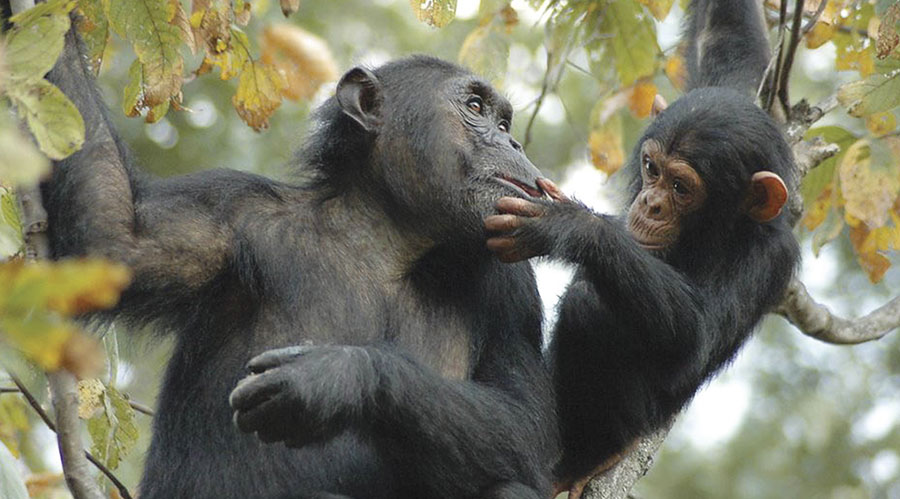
column 421, row 374
column 638, row 333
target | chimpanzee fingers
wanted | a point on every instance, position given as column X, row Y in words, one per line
column 266, row 420
column 519, row 206
column 277, row 357
column 502, row 223
column 254, row 390
column 501, row 245
column 551, row 189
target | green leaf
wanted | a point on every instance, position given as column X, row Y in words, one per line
column 819, row 177
column 52, row 117
column 35, row 43
column 486, row 49
column 21, row 163
column 879, row 92
column 628, row 37
column 828, row 231
column 93, row 26
column 436, row 13
column 869, row 182
column 113, row 431
column 11, row 484
column 147, row 25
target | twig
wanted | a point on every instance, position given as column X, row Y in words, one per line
column 545, row 85
column 143, row 409
column 776, row 74
column 793, row 43
column 815, row 17
column 817, row 321
column 20, row 388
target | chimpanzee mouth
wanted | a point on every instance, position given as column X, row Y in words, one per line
column 532, row 191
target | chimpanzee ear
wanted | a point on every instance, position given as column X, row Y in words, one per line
column 765, row 197
column 359, row 95
column 659, row 105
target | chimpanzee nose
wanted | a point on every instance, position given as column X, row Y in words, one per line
column 654, row 204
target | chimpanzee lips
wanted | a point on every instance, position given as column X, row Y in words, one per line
column 533, row 191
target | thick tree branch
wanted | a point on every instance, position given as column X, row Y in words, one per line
column 815, row 320
column 617, row 482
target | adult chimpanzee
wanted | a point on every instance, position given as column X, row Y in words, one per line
column 664, row 297
column 421, row 374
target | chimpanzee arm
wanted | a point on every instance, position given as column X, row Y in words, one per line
column 639, row 288
column 173, row 233
column 495, row 428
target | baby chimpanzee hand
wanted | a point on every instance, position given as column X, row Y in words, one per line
column 518, row 233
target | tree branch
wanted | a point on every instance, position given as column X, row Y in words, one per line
column 20, row 388
column 617, row 482
column 798, row 307
column 62, row 383
column 815, row 320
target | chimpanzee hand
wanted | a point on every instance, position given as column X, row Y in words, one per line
column 303, row 394
column 520, row 231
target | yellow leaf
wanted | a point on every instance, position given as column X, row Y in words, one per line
column 35, row 42
column 288, row 7
column 605, row 144
column 13, row 422
column 888, row 39
column 211, row 24
column 52, row 118
column 659, row 8
column 486, row 49
column 303, row 58
column 436, row 13
column 21, row 163
column 874, row 94
column 676, row 71
column 626, row 39
column 881, row 123
column 184, row 26
column 821, row 33
column 873, row 263
column 90, row 397
column 148, row 26
column 818, row 210
column 242, row 12
column 258, row 94
column 869, row 182
column 640, row 100
column 93, row 26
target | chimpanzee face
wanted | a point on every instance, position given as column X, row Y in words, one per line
column 670, row 190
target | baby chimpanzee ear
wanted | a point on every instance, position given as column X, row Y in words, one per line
column 659, row 105
column 766, row 196
column 359, row 95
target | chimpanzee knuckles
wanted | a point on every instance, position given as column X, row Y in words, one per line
column 275, row 358
column 359, row 95
column 765, row 197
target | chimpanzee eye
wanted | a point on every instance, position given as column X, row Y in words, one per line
column 680, row 188
column 650, row 166
column 504, row 126
column 475, row 104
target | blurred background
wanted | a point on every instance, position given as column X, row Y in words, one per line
column 792, row 417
